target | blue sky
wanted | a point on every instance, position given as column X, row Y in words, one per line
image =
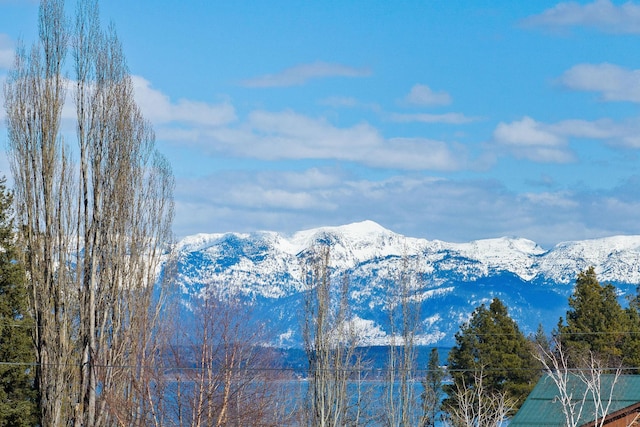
column 452, row 120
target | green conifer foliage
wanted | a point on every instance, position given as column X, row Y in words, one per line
column 491, row 344
column 631, row 341
column 596, row 324
column 17, row 392
column 432, row 390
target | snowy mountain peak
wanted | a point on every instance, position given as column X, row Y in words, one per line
column 501, row 247
column 357, row 228
column 604, row 244
column 362, row 230
column 356, row 232
column 451, row 279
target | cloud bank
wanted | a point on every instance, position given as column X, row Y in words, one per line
column 420, row 206
column 549, row 142
column 287, row 135
column 614, row 83
column 602, row 15
column 158, row 108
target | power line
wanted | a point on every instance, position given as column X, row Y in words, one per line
column 176, row 368
column 18, row 324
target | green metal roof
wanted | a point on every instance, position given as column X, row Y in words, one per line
column 543, row 409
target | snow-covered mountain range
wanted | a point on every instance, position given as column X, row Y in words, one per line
column 450, row 279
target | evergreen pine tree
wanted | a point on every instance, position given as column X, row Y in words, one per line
column 432, row 390
column 595, row 321
column 17, row 391
column 541, row 340
column 491, row 344
column 631, row 341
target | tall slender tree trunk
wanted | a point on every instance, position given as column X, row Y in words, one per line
column 404, row 319
column 95, row 230
column 34, row 97
column 330, row 344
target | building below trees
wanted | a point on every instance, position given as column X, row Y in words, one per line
column 618, row 404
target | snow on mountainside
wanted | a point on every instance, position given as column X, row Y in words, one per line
column 616, row 259
column 451, row 278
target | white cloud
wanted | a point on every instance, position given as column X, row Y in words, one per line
column 527, row 133
column 260, row 198
column 623, row 134
column 184, row 120
column 287, row 135
column 448, row 118
column 561, row 199
column 532, row 140
column 157, row 107
column 291, row 136
column 614, row 83
column 631, row 140
column 425, row 96
column 417, row 154
column 544, row 142
column 421, row 206
column 301, row 74
column 310, row 178
column 602, row 129
column 600, row 14
column 7, row 54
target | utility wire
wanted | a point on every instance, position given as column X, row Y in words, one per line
column 488, row 334
column 175, row 368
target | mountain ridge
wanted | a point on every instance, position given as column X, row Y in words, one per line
column 264, row 269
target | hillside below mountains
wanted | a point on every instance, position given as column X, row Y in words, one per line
column 263, row 269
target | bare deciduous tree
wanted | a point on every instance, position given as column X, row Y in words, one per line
column 124, row 213
column 476, row 406
column 223, row 374
column 94, row 229
column 401, row 407
column 34, row 96
column 330, row 343
column 579, row 387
